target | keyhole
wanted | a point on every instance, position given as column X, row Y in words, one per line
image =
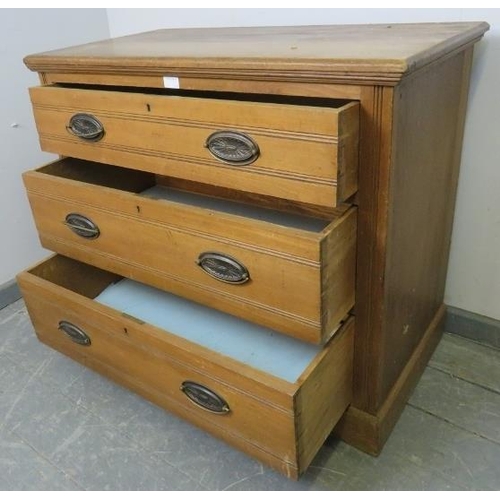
column 149, row 107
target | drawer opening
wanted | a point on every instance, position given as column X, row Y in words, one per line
column 254, row 212
column 148, row 186
column 253, row 199
column 294, row 100
column 261, row 348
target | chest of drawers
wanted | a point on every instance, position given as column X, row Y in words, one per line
column 252, row 225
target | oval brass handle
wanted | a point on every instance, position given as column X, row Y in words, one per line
column 75, row 333
column 82, row 226
column 232, row 147
column 223, row 268
column 204, row 398
column 86, row 127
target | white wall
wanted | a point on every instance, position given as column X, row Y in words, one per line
column 474, row 271
column 23, row 32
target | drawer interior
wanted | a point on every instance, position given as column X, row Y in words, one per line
column 74, row 275
column 248, row 343
column 261, row 348
column 154, row 187
column 234, row 208
column 100, row 174
column 291, row 100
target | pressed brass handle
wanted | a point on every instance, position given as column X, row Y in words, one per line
column 82, row 226
column 223, row 268
column 232, row 147
column 75, row 333
column 204, row 397
column 86, row 127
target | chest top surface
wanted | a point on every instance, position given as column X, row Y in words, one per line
column 383, row 53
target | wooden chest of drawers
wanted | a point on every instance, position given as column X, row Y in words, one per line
column 252, row 225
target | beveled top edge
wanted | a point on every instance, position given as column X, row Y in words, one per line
column 384, row 52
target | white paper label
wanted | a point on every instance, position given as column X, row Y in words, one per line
column 171, row 82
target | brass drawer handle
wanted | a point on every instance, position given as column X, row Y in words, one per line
column 232, row 147
column 82, row 226
column 75, row 333
column 223, row 268
column 86, row 127
column 204, row 398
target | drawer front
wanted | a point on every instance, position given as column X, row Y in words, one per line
column 279, row 422
column 218, row 263
column 302, row 153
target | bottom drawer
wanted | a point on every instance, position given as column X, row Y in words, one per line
column 272, row 396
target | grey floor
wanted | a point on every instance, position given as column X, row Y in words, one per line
column 62, row 427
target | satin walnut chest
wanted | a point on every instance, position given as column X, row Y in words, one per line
column 251, row 226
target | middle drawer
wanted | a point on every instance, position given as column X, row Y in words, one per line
column 292, row 273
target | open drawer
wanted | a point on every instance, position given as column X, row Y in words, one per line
column 288, row 272
column 267, row 394
column 297, row 149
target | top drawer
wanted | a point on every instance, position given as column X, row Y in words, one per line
column 305, row 153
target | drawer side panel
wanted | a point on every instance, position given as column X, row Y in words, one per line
column 324, row 395
column 338, row 273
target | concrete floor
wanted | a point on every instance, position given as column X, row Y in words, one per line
column 63, row 427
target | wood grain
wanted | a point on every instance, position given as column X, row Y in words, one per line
column 167, row 135
column 338, row 271
column 348, row 153
column 406, row 199
column 154, row 81
column 372, row 199
column 324, row 395
column 368, row 431
column 425, row 165
column 349, row 92
column 347, row 53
